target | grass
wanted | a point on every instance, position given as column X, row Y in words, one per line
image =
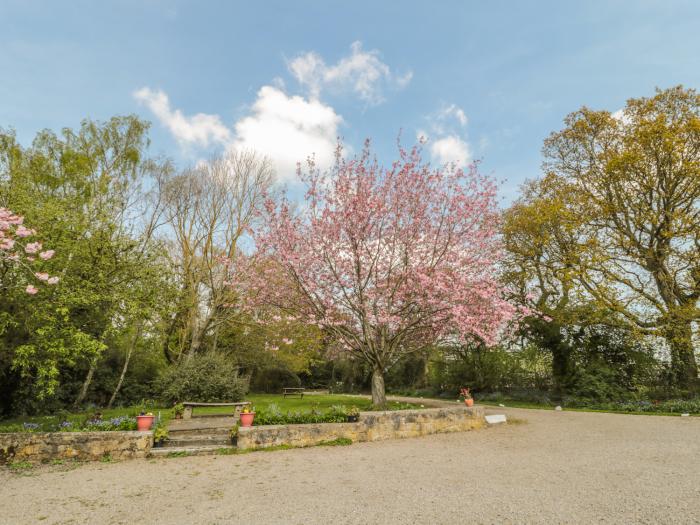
column 319, row 402
column 20, row 466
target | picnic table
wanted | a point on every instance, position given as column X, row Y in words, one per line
column 293, row 391
column 190, row 405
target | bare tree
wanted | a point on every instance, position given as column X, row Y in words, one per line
column 210, row 209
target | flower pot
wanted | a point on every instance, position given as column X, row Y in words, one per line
column 144, row 423
column 353, row 419
column 247, row 419
column 469, row 402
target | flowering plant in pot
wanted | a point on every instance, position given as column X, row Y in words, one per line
column 353, row 415
column 247, row 416
column 465, row 394
column 144, row 421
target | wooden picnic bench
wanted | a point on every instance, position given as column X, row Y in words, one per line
column 189, row 407
column 292, row 391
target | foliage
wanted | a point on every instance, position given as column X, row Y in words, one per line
column 273, row 380
column 160, row 434
column 272, row 415
column 90, row 424
column 620, row 223
column 82, row 191
column 207, row 377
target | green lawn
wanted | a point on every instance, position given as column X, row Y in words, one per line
column 310, row 401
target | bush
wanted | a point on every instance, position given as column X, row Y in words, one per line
column 205, row 378
column 273, row 380
column 597, row 382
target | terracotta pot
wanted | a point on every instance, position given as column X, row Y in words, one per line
column 144, row 423
column 469, row 402
column 247, row 419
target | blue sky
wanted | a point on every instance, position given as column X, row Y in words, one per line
column 482, row 80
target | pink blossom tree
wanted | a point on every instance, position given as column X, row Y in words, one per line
column 386, row 261
column 15, row 251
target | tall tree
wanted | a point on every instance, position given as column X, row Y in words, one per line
column 387, row 261
column 209, row 210
column 79, row 189
column 635, row 178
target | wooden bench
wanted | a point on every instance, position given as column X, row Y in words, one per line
column 292, row 392
column 189, row 407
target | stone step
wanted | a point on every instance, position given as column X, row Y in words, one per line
column 198, row 433
column 201, row 440
column 189, row 451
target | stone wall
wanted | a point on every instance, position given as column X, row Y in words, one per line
column 372, row 426
column 46, row 446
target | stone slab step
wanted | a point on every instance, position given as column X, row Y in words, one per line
column 188, row 451
column 196, row 441
column 199, row 433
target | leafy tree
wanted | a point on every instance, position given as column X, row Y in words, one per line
column 80, row 190
column 633, row 181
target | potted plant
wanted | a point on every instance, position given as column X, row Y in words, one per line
column 353, row 415
column 160, row 436
column 233, row 434
column 144, row 421
column 178, row 410
column 467, row 396
column 247, row 416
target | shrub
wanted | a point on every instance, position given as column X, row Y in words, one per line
column 206, row 378
column 273, row 380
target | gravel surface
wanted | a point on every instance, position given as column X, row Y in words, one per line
column 547, row 467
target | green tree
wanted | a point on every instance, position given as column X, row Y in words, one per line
column 81, row 189
column 627, row 187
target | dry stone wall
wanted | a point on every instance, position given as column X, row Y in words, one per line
column 46, row 446
column 372, row 426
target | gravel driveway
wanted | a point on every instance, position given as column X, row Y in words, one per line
column 550, row 467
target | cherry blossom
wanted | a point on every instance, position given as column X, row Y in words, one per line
column 12, row 235
column 387, row 260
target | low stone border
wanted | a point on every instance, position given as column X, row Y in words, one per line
column 46, row 446
column 372, row 426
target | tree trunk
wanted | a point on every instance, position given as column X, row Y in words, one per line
column 679, row 336
column 129, row 352
column 86, row 383
column 378, row 391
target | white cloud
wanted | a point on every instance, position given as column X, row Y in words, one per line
column 288, row 129
column 363, row 73
column 445, row 140
column 450, row 149
column 199, row 130
column 453, row 111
